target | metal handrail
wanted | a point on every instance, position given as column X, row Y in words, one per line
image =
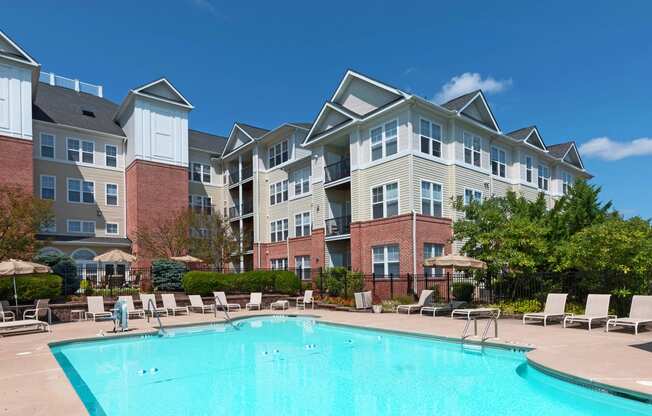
column 225, row 309
column 152, row 307
column 338, row 226
column 338, row 170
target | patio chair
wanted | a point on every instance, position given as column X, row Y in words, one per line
column 151, row 307
column 5, row 313
column 597, row 309
column 131, row 309
column 197, row 303
column 555, row 308
column 96, row 308
column 306, row 299
column 222, row 302
column 363, row 301
column 423, row 298
column 640, row 313
column 23, row 326
column 443, row 307
column 170, row 304
column 40, row 311
column 255, row 301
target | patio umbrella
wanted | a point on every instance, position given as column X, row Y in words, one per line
column 457, row 261
column 115, row 256
column 14, row 267
column 187, row 259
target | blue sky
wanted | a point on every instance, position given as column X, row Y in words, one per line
column 578, row 70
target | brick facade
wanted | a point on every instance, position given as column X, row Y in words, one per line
column 17, row 163
column 312, row 246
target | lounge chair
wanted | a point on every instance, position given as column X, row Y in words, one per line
column 255, row 301
column 222, row 302
column 555, row 308
column 443, row 307
column 131, row 308
column 597, row 309
column 640, row 313
column 151, row 307
column 423, row 298
column 280, row 304
column 306, row 299
column 5, row 313
column 197, row 304
column 23, row 326
column 170, row 304
column 469, row 314
column 363, row 301
column 96, row 308
column 40, row 311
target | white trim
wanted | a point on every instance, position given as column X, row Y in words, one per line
column 106, row 155
column 163, row 80
column 383, row 139
column 106, row 230
column 474, row 191
column 479, row 93
column 41, row 186
column 49, row 248
column 548, row 178
column 106, row 195
column 431, row 139
column 54, row 146
column 281, row 220
column 231, row 135
column 534, row 130
column 577, row 153
column 386, row 262
column 491, row 161
column 275, row 193
column 80, row 151
column 83, row 248
column 302, row 224
column 321, row 112
column 81, row 226
column 81, row 191
column 30, row 60
column 271, row 146
column 441, row 201
column 384, row 186
column 353, row 74
column 473, row 136
column 191, row 167
column 67, row 162
column 82, row 130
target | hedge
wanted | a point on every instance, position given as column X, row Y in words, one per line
column 31, row 287
column 205, row 283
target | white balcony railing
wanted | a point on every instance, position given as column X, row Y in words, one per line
column 73, row 84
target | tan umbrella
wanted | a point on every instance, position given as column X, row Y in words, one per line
column 187, row 259
column 458, row 261
column 14, row 267
column 115, row 256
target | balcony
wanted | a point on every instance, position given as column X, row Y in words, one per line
column 234, row 177
column 339, row 226
column 247, row 172
column 338, row 170
column 238, row 210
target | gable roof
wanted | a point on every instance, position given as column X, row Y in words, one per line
column 352, row 74
column 10, row 50
column 303, row 125
column 528, row 135
column 457, row 103
column 64, row 106
column 206, row 141
column 162, row 89
column 464, row 102
column 252, row 131
column 562, row 151
column 559, row 150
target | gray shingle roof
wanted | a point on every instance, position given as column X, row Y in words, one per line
column 206, row 141
column 306, row 126
column 253, row 131
column 521, row 134
column 459, row 102
column 64, row 106
column 73, row 239
column 559, row 150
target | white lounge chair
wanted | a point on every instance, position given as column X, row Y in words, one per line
column 306, row 299
column 23, row 325
column 40, row 310
column 5, row 313
column 476, row 313
column 131, row 308
column 443, row 307
column 255, row 301
column 597, row 309
column 197, row 304
column 96, row 308
column 280, row 304
column 423, row 298
column 222, row 302
column 555, row 308
column 151, row 307
column 170, row 304
column 363, row 300
column 640, row 313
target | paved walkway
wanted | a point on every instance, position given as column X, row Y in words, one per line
column 32, row 383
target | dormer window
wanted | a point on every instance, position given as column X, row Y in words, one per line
column 88, row 113
column 278, row 154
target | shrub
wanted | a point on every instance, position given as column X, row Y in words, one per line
column 31, row 287
column 463, row 291
column 65, row 267
column 205, row 283
column 342, row 282
column 519, row 307
column 287, row 283
column 167, row 274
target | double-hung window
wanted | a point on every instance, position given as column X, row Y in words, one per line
column 385, row 260
column 81, row 191
column 111, row 194
column 432, row 250
column 472, row 148
column 430, row 138
column 88, row 152
column 278, row 154
column 111, row 228
column 73, row 150
column 529, row 175
column 47, row 146
column 431, row 199
column 302, row 224
column 80, row 151
column 111, row 155
column 279, row 230
column 566, row 182
column 384, row 200
column 200, row 204
column 302, row 266
column 79, row 226
column 278, row 192
column 201, row 173
column 48, row 187
column 279, row 264
column 498, row 162
column 472, row 195
column 544, row 177
column 302, row 181
column 384, row 140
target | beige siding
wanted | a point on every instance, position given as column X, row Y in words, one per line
column 362, row 97
column 427, row 170
column 396, row 170
column 500, row 188
column 404, row 136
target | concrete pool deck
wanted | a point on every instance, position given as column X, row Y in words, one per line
column 32, row 383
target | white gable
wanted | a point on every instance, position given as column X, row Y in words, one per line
column 329, row 119
column 477, row 109
column 237, row 139
column 573, row 157
column 11, row 50
column 163, row 89
column 535, row 140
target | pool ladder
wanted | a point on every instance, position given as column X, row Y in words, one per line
column 492, row 318
column 225, row 309
column 152, row 309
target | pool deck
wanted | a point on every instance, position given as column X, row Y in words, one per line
column 32, row 383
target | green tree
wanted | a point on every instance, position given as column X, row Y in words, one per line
column 214, row 240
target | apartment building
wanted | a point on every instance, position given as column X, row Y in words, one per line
column 369, row 184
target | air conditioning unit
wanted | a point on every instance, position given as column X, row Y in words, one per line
column 486, row 185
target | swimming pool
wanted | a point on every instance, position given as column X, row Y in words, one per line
column 299, row 366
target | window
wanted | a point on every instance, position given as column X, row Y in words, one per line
column 83, row 227
column 528, row 169
column 111, row 194
column 302, row 181
column 81, row 191
column 279, row 230
column 279, row 264
column 111, row 152
column 302, row 224
column 278, row 192
column 200, row 204
column 47, row 146
column 111, row 228
column 88, row 152
column 566, row 182
column 73, row 150
column 302, row 265
column 84, row 153
column 430, row 138
column 498, row 162
column 472, row 146
column 48, row 187
column 201, row 173
column 544, row 177
column 278, row 154
column 49, row 226
column 432, row 250
column 385, row 260
column 472, row 195
column 431, row 199
column 384, row 140
column 384, row 200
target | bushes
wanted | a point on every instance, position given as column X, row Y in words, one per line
column 342, row 282
column 519, row 307
column 31, row 287
column 167, row 274
column 463, row 291
column 65, row 267
column 205, row 283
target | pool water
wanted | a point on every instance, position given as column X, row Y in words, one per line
column 298, row 366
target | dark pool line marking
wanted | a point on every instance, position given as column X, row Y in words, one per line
column 83, row 391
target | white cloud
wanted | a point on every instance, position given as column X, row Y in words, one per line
column 607, row 149
column 470, row 81
column 206, row 5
